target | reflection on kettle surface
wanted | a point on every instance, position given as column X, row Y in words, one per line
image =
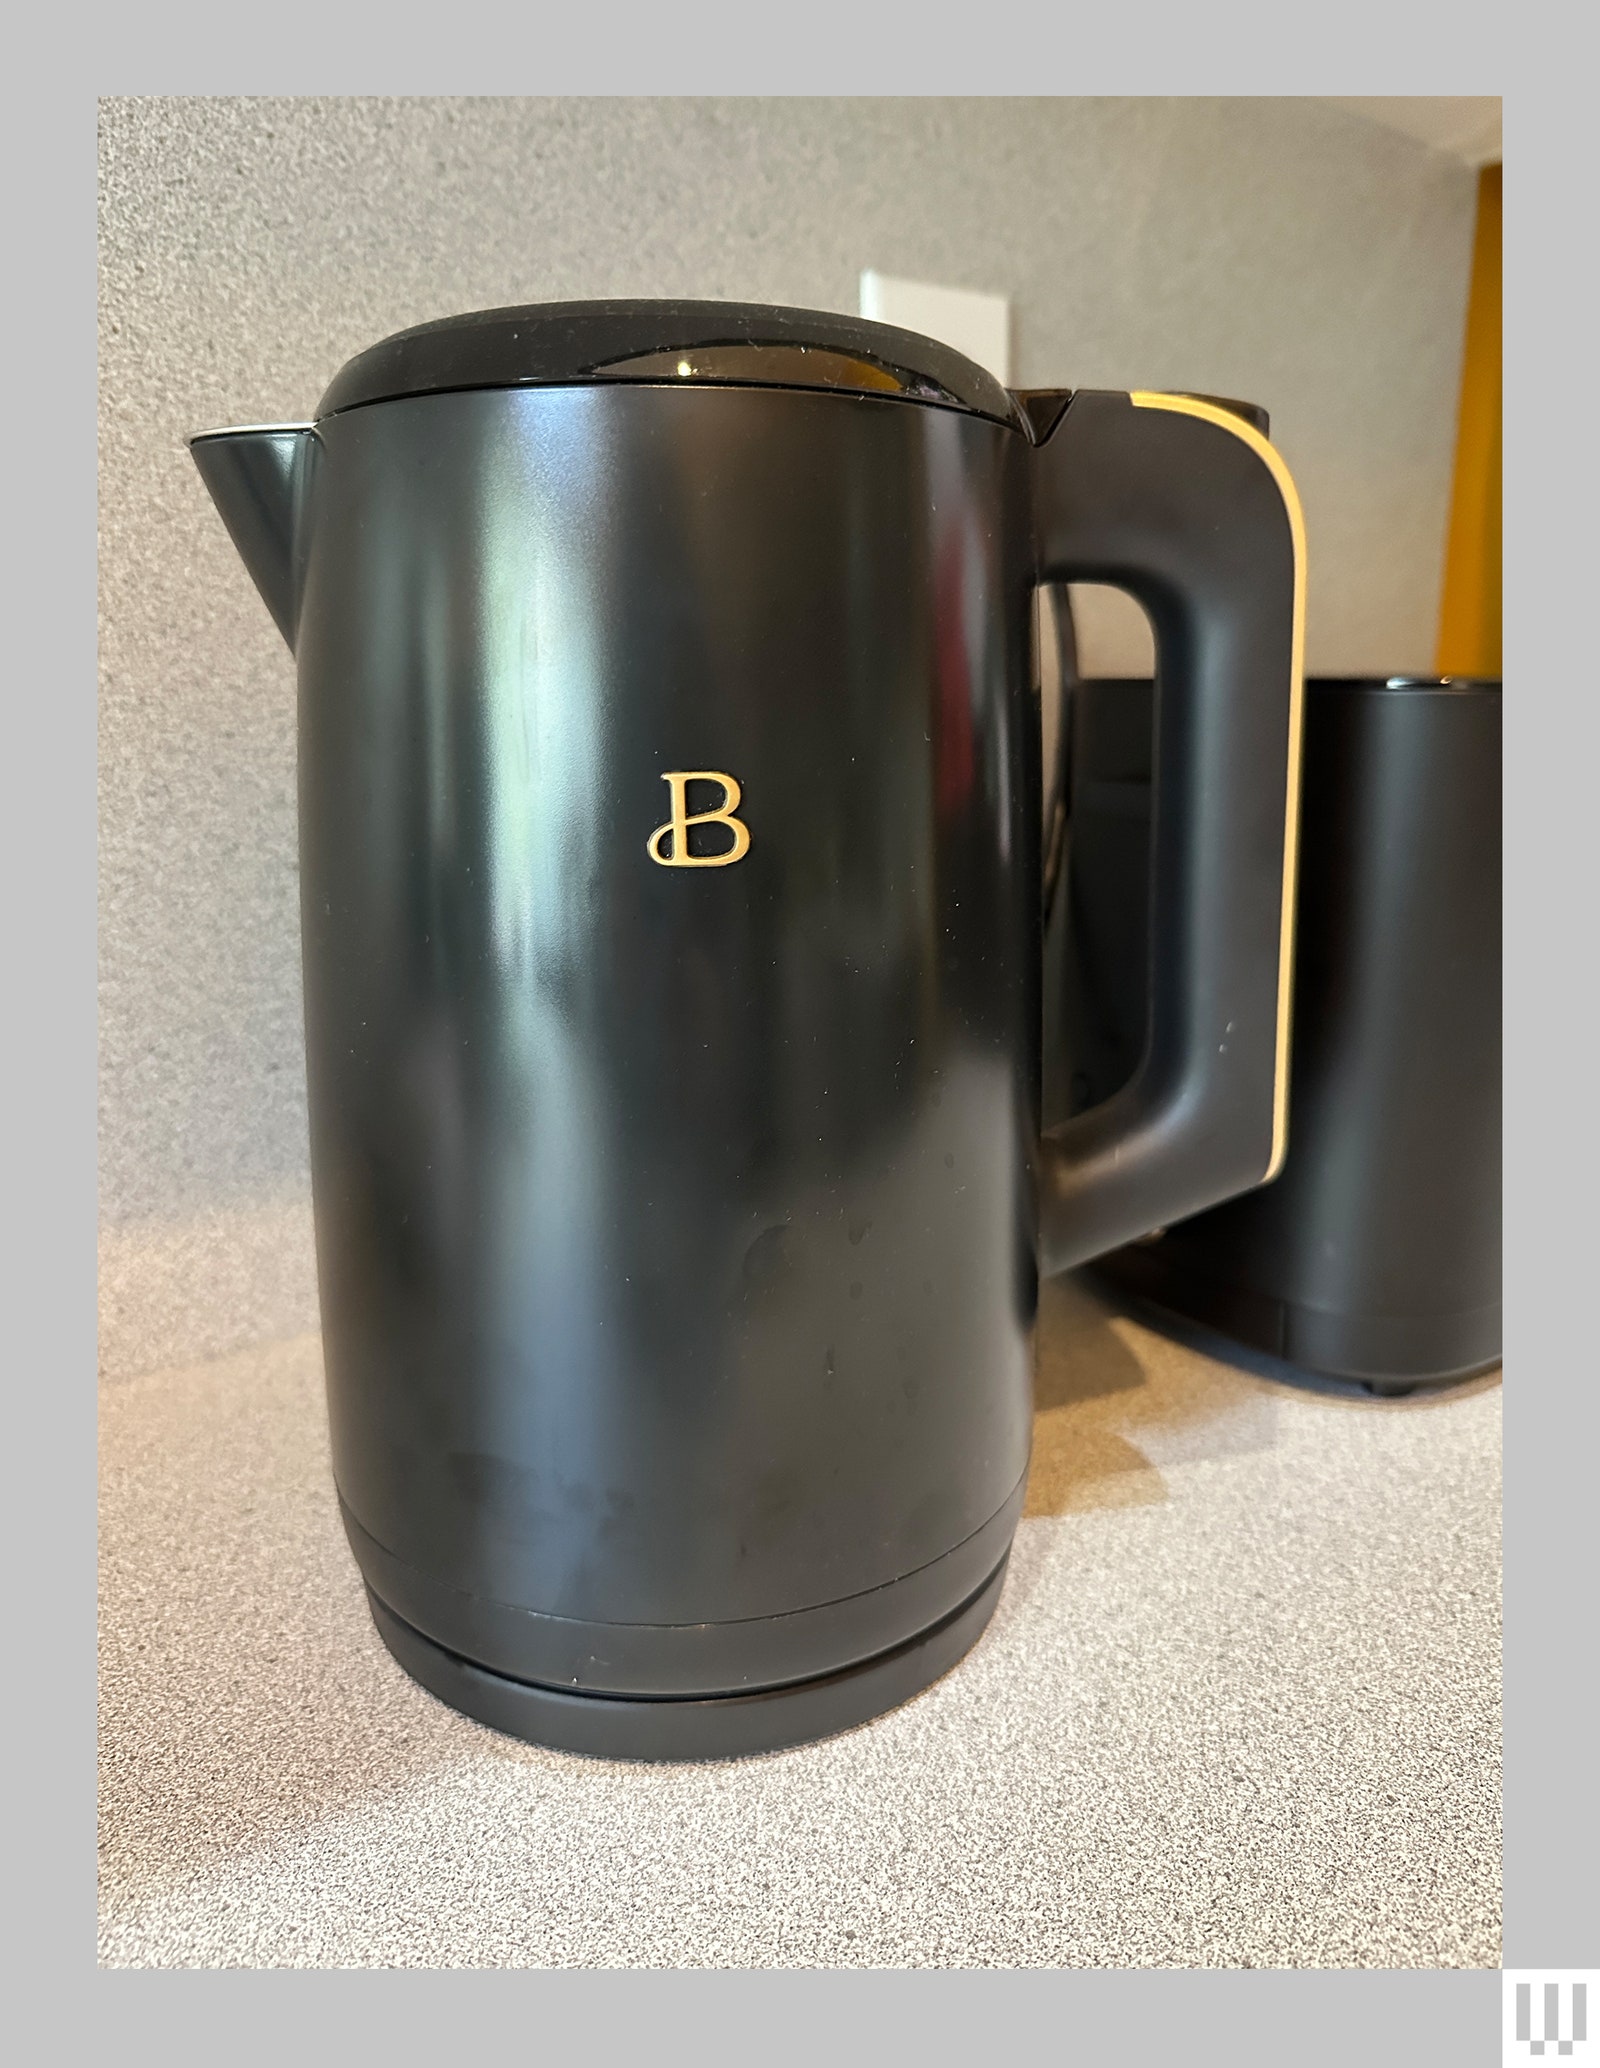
column 738, row 1158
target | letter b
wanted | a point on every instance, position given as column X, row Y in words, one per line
column 677, row 782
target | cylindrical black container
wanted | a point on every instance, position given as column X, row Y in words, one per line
column 639, row 1147
column 670, row 866
column 1375, row 1256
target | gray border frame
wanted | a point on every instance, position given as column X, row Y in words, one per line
column 1552, row 1423
column 1550, row 1553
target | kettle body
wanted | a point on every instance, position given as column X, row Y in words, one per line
column 669, row 787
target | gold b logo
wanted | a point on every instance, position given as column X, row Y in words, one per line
column 683, row 818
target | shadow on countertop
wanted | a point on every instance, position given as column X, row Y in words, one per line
column 1122, row 1390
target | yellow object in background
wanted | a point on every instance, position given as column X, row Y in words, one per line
column 1469, row 618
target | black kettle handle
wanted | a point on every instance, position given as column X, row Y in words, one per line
column 1188, row 507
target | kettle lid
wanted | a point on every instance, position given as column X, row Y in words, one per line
column 564, row 344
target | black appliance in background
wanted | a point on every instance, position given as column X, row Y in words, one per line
column 1375, row 1255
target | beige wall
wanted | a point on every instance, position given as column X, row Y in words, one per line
column 1279, row 250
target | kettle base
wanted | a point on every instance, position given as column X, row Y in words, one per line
column 691, row 1728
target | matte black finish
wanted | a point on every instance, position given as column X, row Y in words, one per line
column 555, row 344
column 1043, row 408
column 677, row 1225
column 1097, row 939
column 259, row 480
column 1188, row 519
column 1376, row 1255
column 684, row 1659
column 719, row 1727
column 618, row 1164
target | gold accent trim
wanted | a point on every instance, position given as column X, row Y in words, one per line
column 1272, row 460
column 677, row 781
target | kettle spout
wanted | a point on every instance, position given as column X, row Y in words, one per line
column 260, row 480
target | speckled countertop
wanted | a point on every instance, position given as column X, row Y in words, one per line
column 1239, row 1706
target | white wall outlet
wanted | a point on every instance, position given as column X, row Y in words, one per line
column 978, row 325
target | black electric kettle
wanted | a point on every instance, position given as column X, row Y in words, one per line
column 670, row 807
